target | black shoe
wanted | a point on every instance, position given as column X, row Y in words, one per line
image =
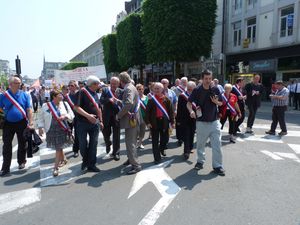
column 83, row 166
column 4, row 173
column 270, row 132
column 163, row 153
column 116, row 157
column 282, row 133
column 134, row 170
column 75, row 154
column 198, row 166
column 93, row 169
column 156, row 162
column 179, row 143
column 126, row 163
column 232, row 140
column 186, row 156
column 238, row 130
column 220, row 171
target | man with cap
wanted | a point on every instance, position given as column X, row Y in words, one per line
column 280, row 102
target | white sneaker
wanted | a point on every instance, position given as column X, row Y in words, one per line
column 142, row 146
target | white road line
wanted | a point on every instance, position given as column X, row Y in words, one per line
column 267, row 126
column 287, row 155
column 273, row 156
column 296, row 148
column 18, row 199
column 264, row 138
column 32, row 163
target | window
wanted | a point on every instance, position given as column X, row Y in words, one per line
column 286, row 22
column 251, row 30
column 251, row 3
column 237, row 5
column 237, row 33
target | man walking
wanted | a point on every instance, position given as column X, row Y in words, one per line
column 297, row 95
column 280, row 102
column 254, row 92
column 18, row 115
column 89, row 123
column 129, row 120
column 207, row 98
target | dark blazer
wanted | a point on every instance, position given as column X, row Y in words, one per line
column 183, row 114
column 254, row 99
column 110, row 110
column 150, row 117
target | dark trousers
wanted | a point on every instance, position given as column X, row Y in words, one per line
column 297, row 100
column 179, row 132
column 291, row 99
column 88, row 151
column 231, row 120
column 240, row 120
column 278, row 115
column 252, row 112
column 9, row 131
column 35, row 105
column 160, row 137
column 189, row 133
column 113, row 127
column 76, row 141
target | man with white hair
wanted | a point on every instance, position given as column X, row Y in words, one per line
column 18, row 115
column 184, row 121
column 181, row 88
column 111, row 105
column 129, row 120
column 89, row 123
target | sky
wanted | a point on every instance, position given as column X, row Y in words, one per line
column 58, row 29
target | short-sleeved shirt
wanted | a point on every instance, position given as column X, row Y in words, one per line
column 284, row 92
column 201, row 97
column 172, row 97
column 83, row 101
column 11, row 112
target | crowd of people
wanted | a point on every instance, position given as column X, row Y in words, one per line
column 75, row 114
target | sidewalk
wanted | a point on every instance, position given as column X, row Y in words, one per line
column 266, row 107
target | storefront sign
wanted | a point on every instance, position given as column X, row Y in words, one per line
column 263, row 65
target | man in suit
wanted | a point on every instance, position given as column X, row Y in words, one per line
column 129, row 120
column 110, row 103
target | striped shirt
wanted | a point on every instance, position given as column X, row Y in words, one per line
column 281, row 102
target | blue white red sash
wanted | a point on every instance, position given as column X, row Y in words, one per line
column 186, row 97
column 237, row 90
column 15, row 103
column 91, row 98
column 56, row 114
column 181, row 89
column 142, row 104
column 113, row 96
column 160, row 107
column 232, row 110
column 69, row 100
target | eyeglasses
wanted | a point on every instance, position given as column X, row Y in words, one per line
column 71, row 85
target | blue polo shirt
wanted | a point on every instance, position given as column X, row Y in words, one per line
column 12, row 114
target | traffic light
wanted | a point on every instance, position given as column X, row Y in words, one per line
column 18, row 65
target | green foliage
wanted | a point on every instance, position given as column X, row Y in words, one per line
column 130, row 47
column 74, row 65
column 178, row 30
column 3, row 81
column 109, row 43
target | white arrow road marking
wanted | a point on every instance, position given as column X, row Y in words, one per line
column 164, row 184
column 18, row 199
column 273, row 156
column 296, row 148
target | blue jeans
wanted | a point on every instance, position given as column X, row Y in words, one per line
column 88, row 151
column 211, row 130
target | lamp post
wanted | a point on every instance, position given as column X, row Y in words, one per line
column 18, row 66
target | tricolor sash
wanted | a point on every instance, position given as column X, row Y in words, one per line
column 142, row 104
column 56, row 114
column 113, row 96
column 181, row 89
column 161, row 108
column 186, row 97
column 91, row 98
column 69, row 100
column 237, row 90
column 15, row 103
column 232, row 110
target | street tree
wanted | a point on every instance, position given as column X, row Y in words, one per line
column 131, row 51
column 109, row 43
column 178, row 30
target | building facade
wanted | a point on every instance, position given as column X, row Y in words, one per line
column 263, row 36
column 133, row 6
column 49, row 68
column 92, row 55
column 4, row 67
column 120, row 17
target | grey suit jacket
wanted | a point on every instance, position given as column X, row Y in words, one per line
column 130, row 101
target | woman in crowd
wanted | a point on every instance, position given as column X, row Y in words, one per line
column 159, row 118
column 53, row 119
column 230, row 109
column 143, row 100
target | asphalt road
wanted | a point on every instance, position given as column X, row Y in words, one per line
column 261, row 186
